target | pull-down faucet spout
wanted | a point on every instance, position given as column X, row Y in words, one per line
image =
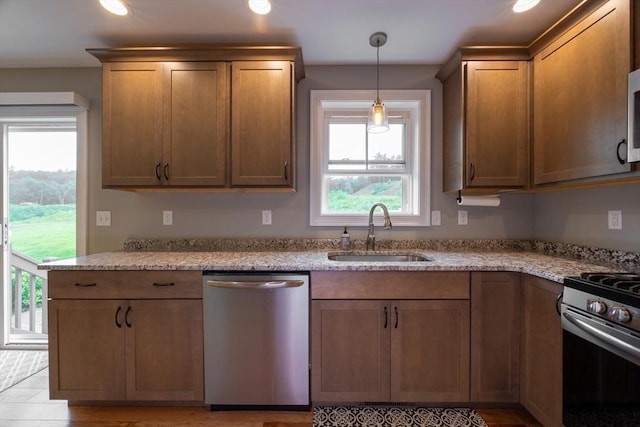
column 371, row 237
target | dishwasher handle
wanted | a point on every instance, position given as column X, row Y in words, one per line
column 253, row 284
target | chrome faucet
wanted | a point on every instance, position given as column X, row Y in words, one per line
column 371, row 237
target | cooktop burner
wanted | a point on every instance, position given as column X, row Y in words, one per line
column 617, row 286
column 622, row 281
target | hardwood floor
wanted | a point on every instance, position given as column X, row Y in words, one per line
column 27, row 404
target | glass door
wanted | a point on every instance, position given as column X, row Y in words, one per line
column 38, row 218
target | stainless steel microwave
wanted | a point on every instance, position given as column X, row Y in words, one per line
column 633, row 111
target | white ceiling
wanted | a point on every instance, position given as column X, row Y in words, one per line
column 55, row 33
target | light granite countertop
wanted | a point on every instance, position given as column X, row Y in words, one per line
column 544, row 266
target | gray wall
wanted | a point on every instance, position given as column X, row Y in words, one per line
column 580, row 216
column 577, row 216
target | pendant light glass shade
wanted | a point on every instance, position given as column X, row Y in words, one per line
column 117, row 7
column 378, row 120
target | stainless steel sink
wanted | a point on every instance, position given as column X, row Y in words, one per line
column 377, row 257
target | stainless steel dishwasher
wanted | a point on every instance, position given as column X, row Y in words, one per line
column 256, row 340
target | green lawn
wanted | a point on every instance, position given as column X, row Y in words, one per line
column 49, row 234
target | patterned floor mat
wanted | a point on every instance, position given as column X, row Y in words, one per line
column 17, row 365
column 341, row 416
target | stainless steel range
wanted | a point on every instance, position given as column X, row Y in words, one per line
column 601, row 349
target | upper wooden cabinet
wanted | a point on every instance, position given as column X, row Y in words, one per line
column 131, row 124
column 261, row 119
column 199, row 117
column 580, row 97
column 486, row 120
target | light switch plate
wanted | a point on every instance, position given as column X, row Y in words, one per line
column 463, row 218
column 167, row 217
column 103, row 218
column 435, row 218
column 266, row 217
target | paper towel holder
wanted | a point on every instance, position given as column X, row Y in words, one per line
column 488, row 200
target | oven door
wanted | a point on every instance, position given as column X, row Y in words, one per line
column 601, row 386
column 614, row 339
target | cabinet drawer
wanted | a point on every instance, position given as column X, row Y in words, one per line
column 389, row 285
column 125, row 284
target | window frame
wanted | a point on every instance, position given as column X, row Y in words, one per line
column 417, row 104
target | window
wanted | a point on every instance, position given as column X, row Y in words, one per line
column 351, row 169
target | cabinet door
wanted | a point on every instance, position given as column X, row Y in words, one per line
column 495, row 337
column 164, row 350
column 496, row 123
column 580, row 98
column 196, row 137
column 430, row 351
column 453, row 104
column 86, row 349
column 261, row 124
column 132, row 124
column 350, row 351
column 541, row 392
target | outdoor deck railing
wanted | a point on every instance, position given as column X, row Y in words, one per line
column 24, row 265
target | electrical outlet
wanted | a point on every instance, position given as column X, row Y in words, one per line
column 266, row 217
column 463, row 218
column 615, row 220
column 103, row 218
column 435, row 217
column 167, row 217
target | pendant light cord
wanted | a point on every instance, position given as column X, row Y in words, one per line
column 378, row 71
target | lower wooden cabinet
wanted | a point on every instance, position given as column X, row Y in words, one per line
column 541, row 380
column 383, row 351
column 108, row 349
column 495, row 337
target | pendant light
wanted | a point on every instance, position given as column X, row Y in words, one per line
column 117, row 7
column 378, row 121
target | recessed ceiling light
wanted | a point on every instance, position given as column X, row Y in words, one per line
column 261, row 7
column 524, row 5
column 117, row 7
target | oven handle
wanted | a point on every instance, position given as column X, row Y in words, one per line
column 603, row 336
column 266, row 284
column 559, row 303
